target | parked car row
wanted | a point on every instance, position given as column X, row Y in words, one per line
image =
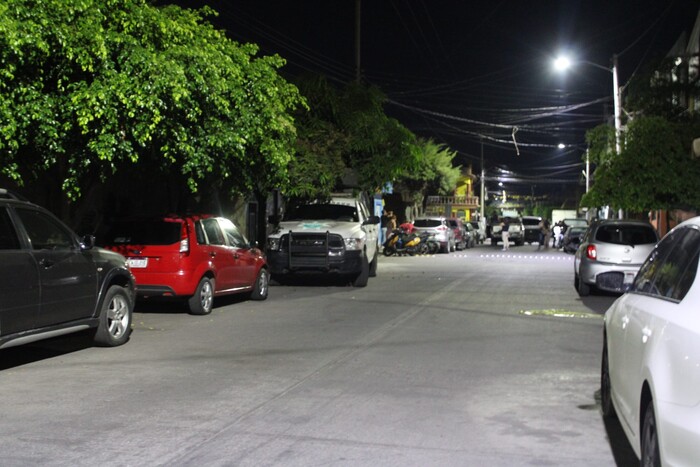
column 54, row 283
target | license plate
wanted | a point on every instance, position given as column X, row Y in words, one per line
column 137, row 262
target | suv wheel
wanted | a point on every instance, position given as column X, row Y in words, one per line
column 582, row 288
column 261, row 286
column 202, row 302
column 363, row 277
column 114, row 327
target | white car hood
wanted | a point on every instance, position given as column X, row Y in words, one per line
column 345, row 229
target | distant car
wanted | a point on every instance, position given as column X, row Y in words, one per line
column 610, row 254
column 650, row 372
column 53, row 283
column 531, row 224
column 572, row 239
column 480, row 231
column 516, row 232
column 472, row 235
column 460, row 233
column 193, row 257
column 438, row 227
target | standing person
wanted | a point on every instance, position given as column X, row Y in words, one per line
column 505, row 225
column 543, row 238
column 384, row 220
column 547, row 234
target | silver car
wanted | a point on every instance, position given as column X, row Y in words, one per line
column 610, row 254
column 438, row 227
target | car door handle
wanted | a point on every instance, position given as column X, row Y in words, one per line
column 46, row 263
column 212, row 254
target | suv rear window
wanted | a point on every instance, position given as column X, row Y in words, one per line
column 427, row 223
column 527, row 221
column 626, row 234
column 453, row 223
column 156, row 232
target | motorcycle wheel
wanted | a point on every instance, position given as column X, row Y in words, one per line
column 433, row 247
column 423, row 249
column 389, row 251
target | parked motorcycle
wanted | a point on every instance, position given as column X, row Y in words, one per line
column 401, row 243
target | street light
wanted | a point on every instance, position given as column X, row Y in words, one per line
column 563, row 63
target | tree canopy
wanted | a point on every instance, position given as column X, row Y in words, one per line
column 88, row 87
column 655, row 168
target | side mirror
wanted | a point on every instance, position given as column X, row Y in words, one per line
column 372, row 220
column 87, row 242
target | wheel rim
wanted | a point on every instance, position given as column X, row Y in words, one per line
column 118, row 317
column 206, row 298
column 263, row 282
column 649, row 441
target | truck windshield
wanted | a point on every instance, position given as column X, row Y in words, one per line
column 336, row 212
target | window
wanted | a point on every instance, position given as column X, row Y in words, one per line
column 234, row 237
column 213, row 231
column 670, row 270
column 626, row 234
column 44, row 232
column 8, row 236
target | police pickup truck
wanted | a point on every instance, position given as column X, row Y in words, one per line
column 337, row 237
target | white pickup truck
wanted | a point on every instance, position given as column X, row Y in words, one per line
column 334, row 237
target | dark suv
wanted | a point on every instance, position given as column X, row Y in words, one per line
column 53, row 283
column 195, row 257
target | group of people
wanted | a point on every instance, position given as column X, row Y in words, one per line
column 553, row 234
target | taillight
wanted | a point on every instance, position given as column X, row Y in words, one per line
column 184, row 239
column 591, row 252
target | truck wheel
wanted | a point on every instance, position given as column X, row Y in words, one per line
column 114, row 327
column 363, row 277
column 373, row 265
column 202, row 302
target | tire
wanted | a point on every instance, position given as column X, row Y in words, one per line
column 202, row 302
column 433, row 247
column 445, row 249
column 116, row 315
column 373, row 264
column 606, row 404
column 423, row 248
column 262, row 285
column 389, row 251
column 582, row 288
column 650, row 439
column 363, row 277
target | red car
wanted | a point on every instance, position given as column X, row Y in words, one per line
column 191, row 257
column 457, row 226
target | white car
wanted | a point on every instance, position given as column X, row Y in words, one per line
column 650, row 372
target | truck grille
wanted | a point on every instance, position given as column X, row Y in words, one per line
column 312, row 251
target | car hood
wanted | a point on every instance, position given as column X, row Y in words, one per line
column 346, row 229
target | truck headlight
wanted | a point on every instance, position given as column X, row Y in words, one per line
column 354, row 243
column 273, row 243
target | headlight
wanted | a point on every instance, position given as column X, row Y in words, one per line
column 354, row 243
column 273, row 243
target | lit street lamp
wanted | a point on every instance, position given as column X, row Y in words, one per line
column 563, row 63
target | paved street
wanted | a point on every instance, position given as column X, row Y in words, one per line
column 479, row 357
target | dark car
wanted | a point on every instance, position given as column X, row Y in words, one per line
column 572, row 238
column 193, row 257
column 53, row 283
column 531, row 225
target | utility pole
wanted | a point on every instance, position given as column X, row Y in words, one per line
column 483, row 188
column 358, row 72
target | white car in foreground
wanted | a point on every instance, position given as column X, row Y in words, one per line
column 650, row 372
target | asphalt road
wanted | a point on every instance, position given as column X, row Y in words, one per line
column 476, row 358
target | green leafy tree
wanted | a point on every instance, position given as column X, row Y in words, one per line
column 654, row 169
column 92, row 87
column 434, row 173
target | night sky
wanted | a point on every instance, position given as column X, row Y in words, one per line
column 471, row 72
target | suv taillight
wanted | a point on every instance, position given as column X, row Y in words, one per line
column 184, row 239
column 591, row 252
column 442, row 227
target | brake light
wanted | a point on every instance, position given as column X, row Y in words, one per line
column 184, row 239
column 591, row 252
